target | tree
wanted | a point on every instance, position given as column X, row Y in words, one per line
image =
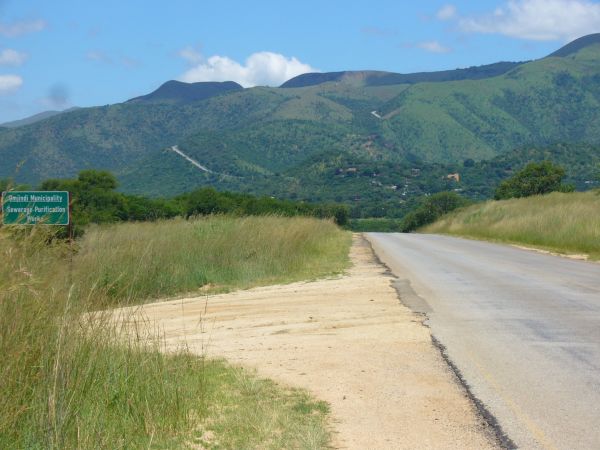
column 432, row 208
column 533, row 179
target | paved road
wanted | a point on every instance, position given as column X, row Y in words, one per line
column 522, row 327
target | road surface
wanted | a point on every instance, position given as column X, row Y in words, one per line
column 523, row 329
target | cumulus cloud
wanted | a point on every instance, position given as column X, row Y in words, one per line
column 446, row 12
column 433, row 47
column 538, row 20
column 259, row 69
column 19, row 28
column 10, row 83
column 10, row 57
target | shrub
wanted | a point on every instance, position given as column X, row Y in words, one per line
column 431, row 208
column 533, row 179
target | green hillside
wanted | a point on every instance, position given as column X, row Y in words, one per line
column 322, row 141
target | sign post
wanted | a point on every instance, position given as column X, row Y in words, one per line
column 35, row 208
column 40, row 208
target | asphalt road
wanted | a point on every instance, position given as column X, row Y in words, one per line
column 523, row 328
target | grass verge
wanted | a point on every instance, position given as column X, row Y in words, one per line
column 134, row 262
column 72, row 382
column 563, row 223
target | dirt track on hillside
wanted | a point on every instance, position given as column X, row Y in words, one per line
column 350, row 342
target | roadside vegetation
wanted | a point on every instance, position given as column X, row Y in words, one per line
column 562, row 222
column 533, row 207
column 534, row 179
column 430, row 208
column 72, row 379
column 135, row 262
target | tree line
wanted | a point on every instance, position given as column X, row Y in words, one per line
column 95, row 199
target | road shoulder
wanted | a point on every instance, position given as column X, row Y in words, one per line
column 350, row 342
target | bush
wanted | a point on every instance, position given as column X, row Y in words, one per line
column 533, row 179
column 430, row 209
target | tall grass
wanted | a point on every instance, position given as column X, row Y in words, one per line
column 134, row 262
column 70, row 379
column 565, row 223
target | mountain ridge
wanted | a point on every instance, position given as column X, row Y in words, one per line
column 178, row 92
column 380, row 78
column 36, row 118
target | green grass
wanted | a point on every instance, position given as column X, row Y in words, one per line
column 565, row 223
column 71, row 382
column 249, row 412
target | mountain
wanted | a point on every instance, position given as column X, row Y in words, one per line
column 375, row 78
column 177, row 92
column 576, row 45
column 325, row 139
column 35, row 118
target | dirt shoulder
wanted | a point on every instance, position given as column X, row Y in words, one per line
column 350, row 342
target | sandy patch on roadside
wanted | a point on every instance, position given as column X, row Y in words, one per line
column 350, row 342
column 580, row 257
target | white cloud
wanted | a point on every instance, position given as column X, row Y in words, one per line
column 538, row 20
column 433, row 47
column 191, row 55
column 446, row 12
column 259, row 69
column 10, row 57
column 9, row 83
column 15, row 29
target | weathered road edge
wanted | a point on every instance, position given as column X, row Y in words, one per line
column 409, row 298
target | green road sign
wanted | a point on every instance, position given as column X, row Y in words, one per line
column 35, row 207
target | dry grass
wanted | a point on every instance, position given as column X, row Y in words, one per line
column 135, row 262
column 564, row 223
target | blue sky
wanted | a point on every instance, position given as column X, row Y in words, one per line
column 60, row 53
